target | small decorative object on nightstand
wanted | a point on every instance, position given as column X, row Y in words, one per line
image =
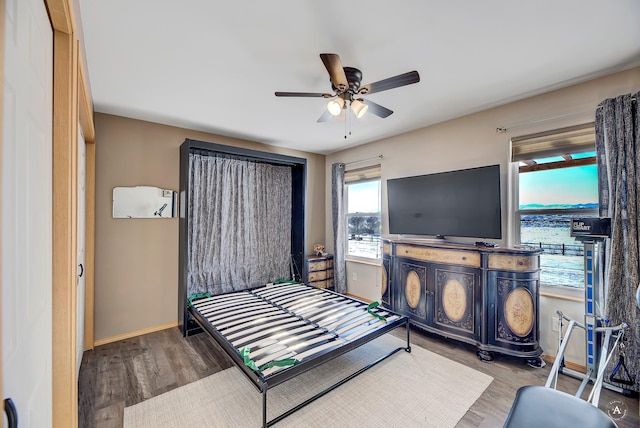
column 320, row 270
column 319, row 250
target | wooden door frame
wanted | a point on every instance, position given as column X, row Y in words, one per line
column 72, row 107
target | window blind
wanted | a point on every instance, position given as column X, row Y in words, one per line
column 559, row 142
column 363, row 174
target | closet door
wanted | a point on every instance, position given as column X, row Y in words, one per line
column 27, row 212
column 80, row 282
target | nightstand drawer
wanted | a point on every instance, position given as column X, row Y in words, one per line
column 318, row 265
column 322, row 274
column 328, row 283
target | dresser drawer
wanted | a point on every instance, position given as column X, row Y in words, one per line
column 513, row 262
column 437, row 255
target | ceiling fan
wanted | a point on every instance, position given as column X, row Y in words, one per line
column 345, row 82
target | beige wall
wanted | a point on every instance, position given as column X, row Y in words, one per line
column 472, row 141
column 137, row 259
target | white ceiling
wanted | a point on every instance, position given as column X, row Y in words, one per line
column 214, row 66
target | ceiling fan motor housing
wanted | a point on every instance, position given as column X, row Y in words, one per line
column 354, row 78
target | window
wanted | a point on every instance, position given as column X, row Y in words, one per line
column 364, row 217
column 557, row 180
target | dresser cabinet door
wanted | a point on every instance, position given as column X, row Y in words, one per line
column 457, row 300
column 513, row 312
column 410, row 292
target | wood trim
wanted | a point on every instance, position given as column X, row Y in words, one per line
column 65, row 190
column 560, row 296
column 135, row 333
column 358, row 297
column 86, row 106
column 560, row 164
column 370, row 262
column 60, row 15
column 90, row 247
column 568, row 364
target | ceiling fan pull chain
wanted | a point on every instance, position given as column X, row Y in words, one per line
column 350, row 121
column 350, row 118
column 346, row 119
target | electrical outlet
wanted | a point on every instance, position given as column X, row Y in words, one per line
column 354, row 276
column 555, row 323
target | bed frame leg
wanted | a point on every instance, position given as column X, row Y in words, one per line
column 264, row 407
column 408, row 348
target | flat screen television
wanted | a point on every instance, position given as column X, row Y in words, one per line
column 463, row 203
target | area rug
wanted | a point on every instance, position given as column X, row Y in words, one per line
column 417, row 389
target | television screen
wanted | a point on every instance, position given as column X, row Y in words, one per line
column 464, row 203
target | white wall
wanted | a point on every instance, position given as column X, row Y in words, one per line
column 571, row 307
column 472, row 141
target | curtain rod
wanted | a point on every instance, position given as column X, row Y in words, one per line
column 633, row 98
column 504, row 129
column 363, row 160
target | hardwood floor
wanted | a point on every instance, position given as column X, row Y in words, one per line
column 127, row 372
column 123, row 373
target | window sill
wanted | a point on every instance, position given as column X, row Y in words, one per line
column 562, row 293
column 371, row 262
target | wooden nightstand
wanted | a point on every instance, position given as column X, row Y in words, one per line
column 320, row 271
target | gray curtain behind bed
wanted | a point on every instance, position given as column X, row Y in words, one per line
column 618, row 152
column 339, row 227
column 239, row 224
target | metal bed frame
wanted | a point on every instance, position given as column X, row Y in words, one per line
column 276, row 332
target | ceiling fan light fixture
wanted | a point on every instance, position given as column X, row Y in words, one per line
column 359, row 108
column 335, row 106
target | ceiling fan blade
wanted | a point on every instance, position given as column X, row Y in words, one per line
column 377, row 109
column 336, row 71
column 303, row 94
column 390, row 83
column 326, row 116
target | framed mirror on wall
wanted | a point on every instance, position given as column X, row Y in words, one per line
column 144, row 202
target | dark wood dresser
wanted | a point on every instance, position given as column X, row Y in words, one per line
column 486, row 296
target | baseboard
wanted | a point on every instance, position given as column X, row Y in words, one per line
column 134, row 333
column 568, row 364
column 358, row 297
